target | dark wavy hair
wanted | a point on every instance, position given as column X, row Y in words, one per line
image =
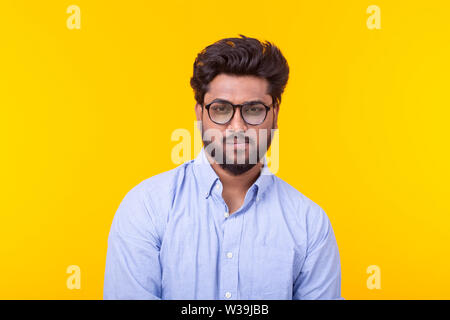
column 240, row 56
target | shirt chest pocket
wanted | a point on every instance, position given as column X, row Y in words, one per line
column 272, row 272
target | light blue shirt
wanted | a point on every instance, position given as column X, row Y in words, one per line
column 172, row 238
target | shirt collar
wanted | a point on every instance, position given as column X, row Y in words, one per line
column 208, row 177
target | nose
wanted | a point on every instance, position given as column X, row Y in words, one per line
column 237, row 123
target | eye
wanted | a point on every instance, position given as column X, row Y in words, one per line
column 255, row 109
column 220, row 108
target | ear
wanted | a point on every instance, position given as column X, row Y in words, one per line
column 198, row 113
column 276, row 109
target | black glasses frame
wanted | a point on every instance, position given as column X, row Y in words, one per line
column 240, row 111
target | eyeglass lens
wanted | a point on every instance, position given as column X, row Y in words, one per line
column 253, row 114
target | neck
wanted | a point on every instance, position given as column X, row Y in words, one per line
column 241, row 182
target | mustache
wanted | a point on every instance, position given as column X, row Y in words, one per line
column 237, row 137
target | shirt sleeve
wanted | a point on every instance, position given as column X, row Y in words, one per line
column 133, row 269
column 320, row 275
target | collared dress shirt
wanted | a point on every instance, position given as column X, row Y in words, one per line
column 172, row 237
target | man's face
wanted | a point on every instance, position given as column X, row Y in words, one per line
column 236, row 145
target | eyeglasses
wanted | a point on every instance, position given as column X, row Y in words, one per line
column 253, row 113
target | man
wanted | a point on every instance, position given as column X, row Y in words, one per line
column 222, row 226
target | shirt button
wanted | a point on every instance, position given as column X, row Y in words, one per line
column 226, row 214
column 230, row 255
column 257, row 198
column 217, row 187
column 228, row 295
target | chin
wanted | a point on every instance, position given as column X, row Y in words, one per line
column 237, row 169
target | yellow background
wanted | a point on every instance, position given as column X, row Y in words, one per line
column 88, row 114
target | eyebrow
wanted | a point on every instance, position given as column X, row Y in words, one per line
column 246, row 102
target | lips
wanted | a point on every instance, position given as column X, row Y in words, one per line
column 238, row 141
column 238, row 145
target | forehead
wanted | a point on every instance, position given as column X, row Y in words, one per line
column 238, row 89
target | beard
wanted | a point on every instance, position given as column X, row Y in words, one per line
column 238, row 162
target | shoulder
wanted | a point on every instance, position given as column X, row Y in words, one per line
column 146, row 205
column 309, row 215
column 159, row 190
column 295, row 197
column 307, row 212
column 164, row 183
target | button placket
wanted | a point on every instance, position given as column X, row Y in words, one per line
column 229, row 262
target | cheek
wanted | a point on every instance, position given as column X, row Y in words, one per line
column 263, row 132
column 212, row 133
